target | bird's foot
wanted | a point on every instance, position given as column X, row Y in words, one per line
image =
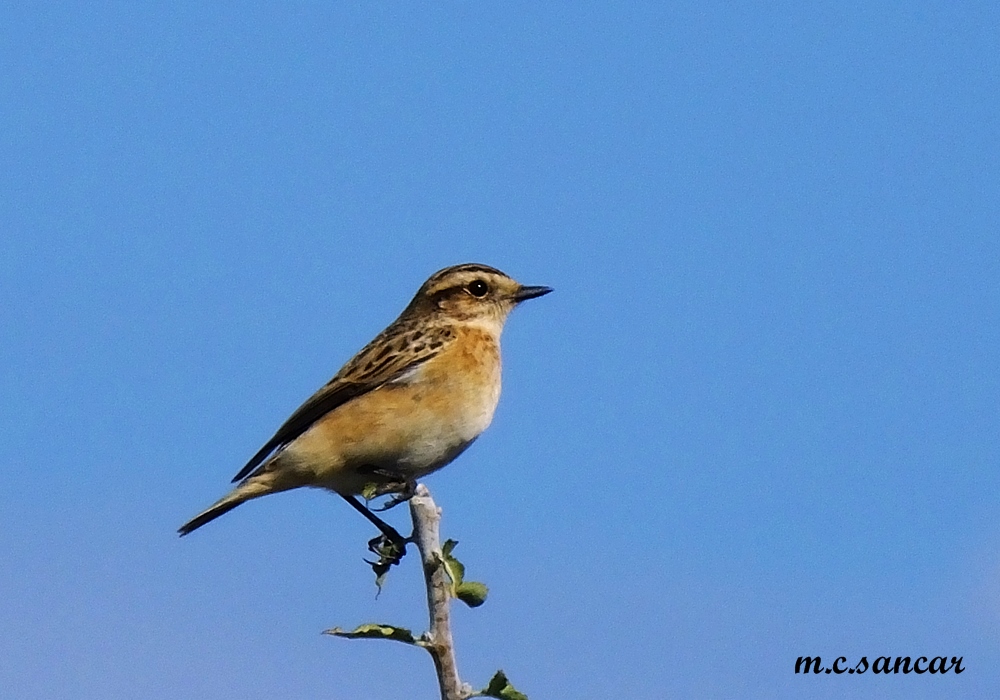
column 388, row 482
column 399, row 492
column 389, row 550
column 389, row 547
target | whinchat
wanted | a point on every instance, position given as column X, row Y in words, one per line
column 409, row 403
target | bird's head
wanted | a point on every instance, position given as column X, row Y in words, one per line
column 472, row 293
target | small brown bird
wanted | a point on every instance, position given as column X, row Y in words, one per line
column 406, row 405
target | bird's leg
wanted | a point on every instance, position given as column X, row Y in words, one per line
column 387, row 530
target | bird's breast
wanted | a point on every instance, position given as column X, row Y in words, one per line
column 456, row 392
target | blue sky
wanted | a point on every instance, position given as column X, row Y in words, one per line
column 758, row 419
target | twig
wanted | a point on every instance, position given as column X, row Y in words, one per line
column 444, row 577
column 437, row 640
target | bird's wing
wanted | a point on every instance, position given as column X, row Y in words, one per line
column 395, row 352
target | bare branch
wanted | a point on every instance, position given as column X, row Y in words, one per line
column 437, row 640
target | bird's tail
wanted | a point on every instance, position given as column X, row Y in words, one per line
column 252, row 488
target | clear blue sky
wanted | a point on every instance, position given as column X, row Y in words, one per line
column 758, row 419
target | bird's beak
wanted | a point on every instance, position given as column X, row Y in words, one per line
column 525, row 293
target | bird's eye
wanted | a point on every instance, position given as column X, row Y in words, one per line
column 478, row 288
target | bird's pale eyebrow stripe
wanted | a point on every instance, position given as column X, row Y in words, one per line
column 469, row 267
column 473, row 267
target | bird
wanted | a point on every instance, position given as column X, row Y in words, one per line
column 406, row 405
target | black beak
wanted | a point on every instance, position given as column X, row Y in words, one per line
column 525, row 293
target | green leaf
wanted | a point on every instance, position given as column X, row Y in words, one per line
column 500, row 687
column 472, row 593
column 454, row 568
column 376, row 631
